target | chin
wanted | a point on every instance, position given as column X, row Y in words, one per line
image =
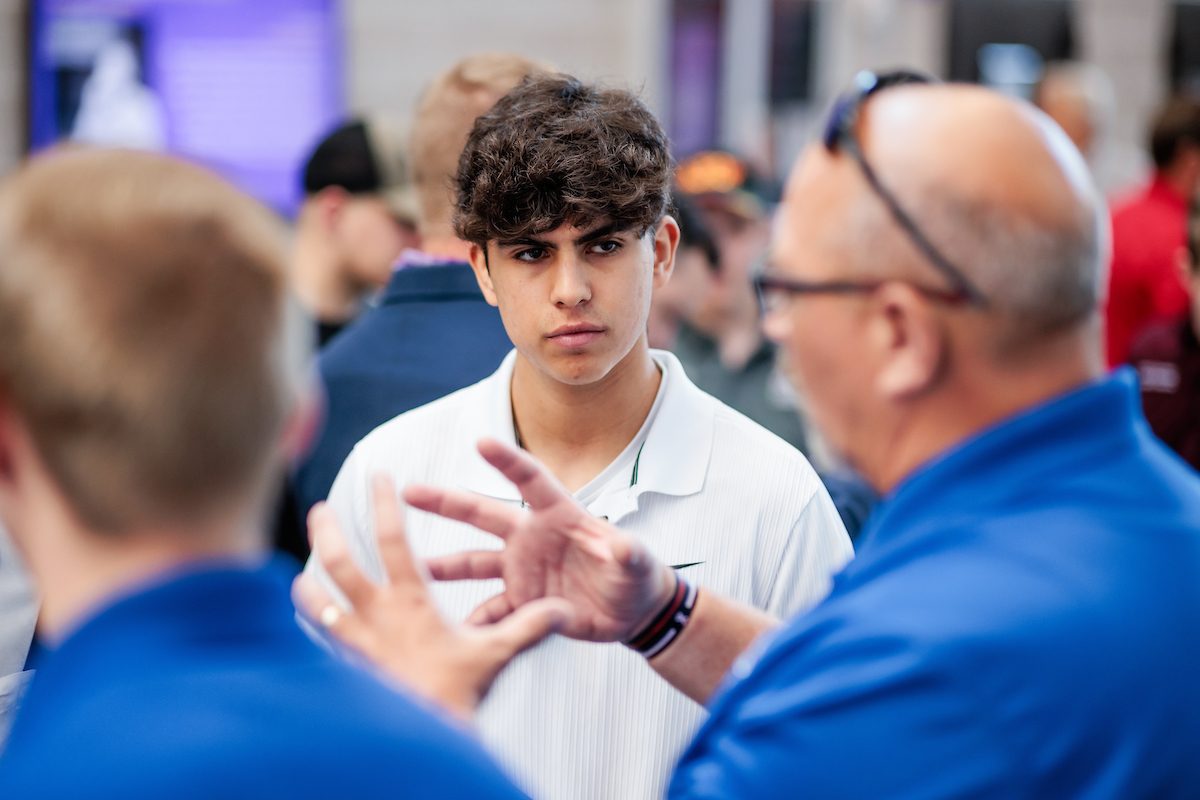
column 582, row 372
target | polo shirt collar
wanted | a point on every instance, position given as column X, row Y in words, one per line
column 227, row 598
column 226, row 610
column 679, row 444
column 436, row 280
column 492, row 420
column 1006, row 461
column 674, row 459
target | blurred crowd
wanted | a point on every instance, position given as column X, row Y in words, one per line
column 876, row 480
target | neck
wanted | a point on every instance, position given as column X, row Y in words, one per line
column 442, row 242
column 737, row 345
column 77, row 571
column 577, row 431
column 1182, row 180
column 973, row 403
column 320, row 284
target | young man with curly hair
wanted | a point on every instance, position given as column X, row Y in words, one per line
column 563, row 195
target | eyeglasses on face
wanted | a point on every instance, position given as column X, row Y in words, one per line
column 775, row 290
column 840, row 135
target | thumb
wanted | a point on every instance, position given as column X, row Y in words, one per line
column 526, row 626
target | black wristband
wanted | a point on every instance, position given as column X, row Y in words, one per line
column 668, row 623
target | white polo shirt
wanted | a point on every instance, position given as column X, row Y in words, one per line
column 705, row 487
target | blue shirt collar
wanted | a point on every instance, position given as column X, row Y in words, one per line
column 449, row 279
column 211, row 601
column 1006, row 460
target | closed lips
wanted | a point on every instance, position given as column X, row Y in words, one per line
column 568, row 330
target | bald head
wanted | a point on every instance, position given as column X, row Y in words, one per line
column 995, row 185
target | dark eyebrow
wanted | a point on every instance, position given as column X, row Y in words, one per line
column 603, row 232
column 524, row 241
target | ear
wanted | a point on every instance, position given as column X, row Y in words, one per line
column 483, row 275
column 909, row 339
column 14, row 446
column 666, row 242
column 330, row 202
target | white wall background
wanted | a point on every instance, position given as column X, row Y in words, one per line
column 394, row 46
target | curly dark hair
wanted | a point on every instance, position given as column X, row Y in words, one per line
column 557, row 150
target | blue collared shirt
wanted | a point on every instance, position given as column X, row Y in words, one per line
column 202, row 686
column 1022, row 619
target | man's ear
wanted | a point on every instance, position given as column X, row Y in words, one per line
column 483, row 275
column 666, row 243
column 330, row 203
column 909, row 339
column 14, row 442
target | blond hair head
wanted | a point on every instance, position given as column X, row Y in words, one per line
column 445, row 114
column 144, row 333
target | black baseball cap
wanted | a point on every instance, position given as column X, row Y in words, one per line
column 363, row 156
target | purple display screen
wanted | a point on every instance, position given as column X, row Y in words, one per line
column 245, row 86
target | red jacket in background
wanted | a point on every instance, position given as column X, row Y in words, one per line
column 1144, row 282
column 1167, row 358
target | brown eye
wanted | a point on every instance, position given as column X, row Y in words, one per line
column 530, row 254
column 607, row 247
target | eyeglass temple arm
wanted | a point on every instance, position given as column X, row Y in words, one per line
column 943, row 265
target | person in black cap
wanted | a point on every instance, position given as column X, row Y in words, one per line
column 356, row 219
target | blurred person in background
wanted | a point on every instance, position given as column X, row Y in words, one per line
column 721, row 346
column 431, row 332
column 1148, row 231
column 1167, row 358
column 152, row 372
column 1080, row 97
column 563, row 193
column 1020, row 619
column 1068, row 93
column 696, row 263
column 720, row 340
column 357, row 217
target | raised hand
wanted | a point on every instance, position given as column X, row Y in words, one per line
column 554, row 548
column 396, row 626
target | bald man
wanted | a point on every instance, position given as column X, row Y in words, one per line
column 1021, row 618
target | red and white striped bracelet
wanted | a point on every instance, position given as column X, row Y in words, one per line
column 668, row 623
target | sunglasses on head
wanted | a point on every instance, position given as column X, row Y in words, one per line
column 839, row 135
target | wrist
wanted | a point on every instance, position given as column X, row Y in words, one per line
column 662, row 593
column 668, row 622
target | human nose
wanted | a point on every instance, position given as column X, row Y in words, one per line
column 571, row 284
column 776, row 323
